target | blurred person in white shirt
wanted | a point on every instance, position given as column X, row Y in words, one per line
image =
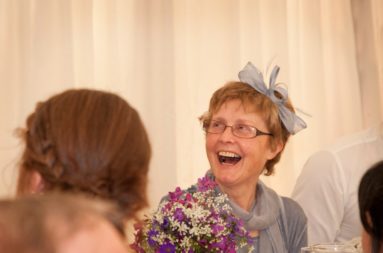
column 327, row 187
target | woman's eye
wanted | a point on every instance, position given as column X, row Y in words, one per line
column 243, row 128
column 216, row 124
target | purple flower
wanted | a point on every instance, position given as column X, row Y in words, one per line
column 165, row 223
column 176, row 194
column 231, row 249
column 217, row 228
column 220, row 245
column 204, row 184
column 167, row 248
column 179, row 214
column 152, row 234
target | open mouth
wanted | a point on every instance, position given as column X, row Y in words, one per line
column 225, row 157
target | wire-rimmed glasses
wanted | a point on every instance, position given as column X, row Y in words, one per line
column 239, row 130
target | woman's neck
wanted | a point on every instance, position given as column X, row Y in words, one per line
column 243, row 196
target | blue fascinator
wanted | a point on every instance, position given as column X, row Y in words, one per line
column 253, row 77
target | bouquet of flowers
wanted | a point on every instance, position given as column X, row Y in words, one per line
column 197, row 220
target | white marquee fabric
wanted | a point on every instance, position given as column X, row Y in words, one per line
column 167, row 57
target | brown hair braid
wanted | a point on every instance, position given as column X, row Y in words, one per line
column 88, row 141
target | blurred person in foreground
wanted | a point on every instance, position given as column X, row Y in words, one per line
column 370, row 197
column 327, row 188
column 58, row 223
column 90, row 142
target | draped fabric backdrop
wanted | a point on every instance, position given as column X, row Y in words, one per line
column 167, row 57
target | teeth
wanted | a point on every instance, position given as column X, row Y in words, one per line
column 228, row 154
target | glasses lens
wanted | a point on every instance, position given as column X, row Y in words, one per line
column 215, row 127
column 244, row 131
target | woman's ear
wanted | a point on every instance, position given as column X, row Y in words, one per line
column 36, row 183
column 275, row 148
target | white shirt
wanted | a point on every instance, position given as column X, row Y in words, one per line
column 327, row 188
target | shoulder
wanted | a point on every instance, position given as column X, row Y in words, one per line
column 342, row 146
column 332, row 160
column 369, row 137
column 321, row 159
column 294, row 225
column 294, row 218
column 346, row 154
column 322, row 166
column 294, row 212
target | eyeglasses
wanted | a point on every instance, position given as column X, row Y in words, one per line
column 239, row 130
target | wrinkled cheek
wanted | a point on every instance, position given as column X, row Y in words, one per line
column 209, row 144
column 210, row 152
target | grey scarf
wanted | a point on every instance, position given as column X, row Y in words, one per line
column 263, row 217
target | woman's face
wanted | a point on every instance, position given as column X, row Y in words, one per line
column 366, row 242
column 237, row 161
column 367, row 239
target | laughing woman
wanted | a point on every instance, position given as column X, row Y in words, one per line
column 247, row 126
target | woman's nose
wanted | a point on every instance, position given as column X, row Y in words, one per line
column 227, row 135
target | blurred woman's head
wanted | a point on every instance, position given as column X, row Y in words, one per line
column 87, row 141
column 60, row 223
column 371, row 208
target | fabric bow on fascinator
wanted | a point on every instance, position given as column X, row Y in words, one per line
column 253, row 77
